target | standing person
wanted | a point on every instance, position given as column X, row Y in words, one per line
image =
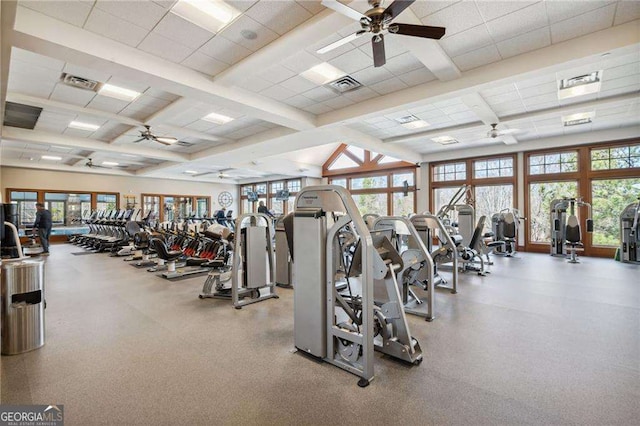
column 43, row 223
column 263, row 209
column 221, row 216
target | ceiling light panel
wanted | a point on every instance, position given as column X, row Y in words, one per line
column 110, row 163
column 191, row 172
column 580, row 85
column 118, row 92
column 217, row 118
column 51, row 158
column 417, row 124
column 212, row 15
column 445, row 140
column 83, row 126
column 323, row 73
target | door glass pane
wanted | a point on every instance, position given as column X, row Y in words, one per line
column 402, row 205
column 202, row 207
column 150, row 208
column 277, row 207
column 608, row 199
column 540, row 196
column 491, row 199
column 169, row 213
column 26, row 206
column 371, row 203
column 247, row 206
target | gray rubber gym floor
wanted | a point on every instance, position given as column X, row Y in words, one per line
column 538, row 341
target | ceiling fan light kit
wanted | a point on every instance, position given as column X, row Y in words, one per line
column 377, row 21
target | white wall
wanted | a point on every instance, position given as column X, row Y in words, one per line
column 13, row 177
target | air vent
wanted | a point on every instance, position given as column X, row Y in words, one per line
column 344, row 84
column 577, row 122
column 79, row 82
column 22, row 116
column 578, row 118
column 183, row 143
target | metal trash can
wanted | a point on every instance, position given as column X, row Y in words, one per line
column 23, row 304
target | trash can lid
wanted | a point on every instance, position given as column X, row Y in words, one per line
column 21, row 263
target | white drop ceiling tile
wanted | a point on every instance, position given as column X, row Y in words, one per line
column 441, row 121
column 199, row 125
column 277, row 74
column 103, row 23
column 533, row 40
column 464, row 117
column 507, row 106
column 506, row 112
column 278, row 93
column 299, row 101
column 422, row 108
column 452, row 109
column 494, row 9
column 387, row 124
column 30, row 74
column 318, row 108
column 561, row 10
column 130, row 84
column 72, row 12
column 352, row 61
column 629, row 80
column 456, row 18
column 522, row 21
column 402, row 64
column 352, row 28
column 312, row 49
column 150, row 102
column 36, row 59
column 619, row 91
column 56, row 115
column 627, row 11
column 498, row 90
column 77, row 133
column 320, row 94
column 88, row 73
column 372, row 75
column 233, row 33
column 477, row 58
column 280, row 16
column 535, row 81
column 621, row 71
column 415, row 77
column 255, row 84
column 297, row 84
column 541, row 99
column 142, row 13
column 161, row 94
column 71, row 95
column 542, row 106
column 424, row 8
column 205, row 64
column 339, row 102
column 466, row 41
column 165, row 48
column 224, row 50
column 504, row 97
column 182, row 31
column 448, row 103
column 617, row 110
column 540, row 89
column 586, row 23
column 312, row 6
column 361, row 94
column 302, row 61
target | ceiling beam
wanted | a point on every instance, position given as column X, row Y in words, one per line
column 63, row 168
column 557, row 57
column 46, row 138
column 7, row 20
column 362, row 140
column 563, row 110
column 47, row 36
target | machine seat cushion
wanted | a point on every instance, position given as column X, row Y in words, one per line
column 196, row 261
column 457, row 239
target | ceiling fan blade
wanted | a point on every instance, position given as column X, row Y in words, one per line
column 379, row 58
column 165, row 140
column 344, row 10
column 508, row 131
column 340, row 42
column 396, row 8
column 139, row 140
column 203, row 174
column 418, row 30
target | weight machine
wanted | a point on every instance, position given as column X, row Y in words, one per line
column 331, row 242
column 504, row 226
column 283, row 260
column 252, row 274
column 630, row 233
column 566, row 234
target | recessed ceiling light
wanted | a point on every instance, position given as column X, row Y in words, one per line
column 445, row 140
column 129, row 155
column 191, row 172
column 51, row 157
column 212, row 15
column 580, row 85
column 118, row 92
column 248, row 34
column 83, row 126
column 578, row 118
column 110, row 163
column 217, row 118
column 323, row 73
column 419, row 124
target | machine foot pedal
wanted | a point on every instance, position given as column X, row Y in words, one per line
column 363, row 383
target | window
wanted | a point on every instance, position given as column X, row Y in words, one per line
column 340, row 182
column 261, row 188
column 343, row 162
column 66, row 209
column 400, row 178
column 106, row 201
column 609, row 197
column 371, row 203
column 620, row 157
column 26, row 206
column 202, row 207
column 403, row 205
column 294, row 185
column 491, row 199
column 442, row 196
column 276, row 186
column 493, row 168
column 541, row 194
column 449, row 172
column 150, row 207
column 559, row 162
column 369, row 182
column 277, row 207
column 168, row 209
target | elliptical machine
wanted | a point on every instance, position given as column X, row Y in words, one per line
column 630, row 233
column 566, row 235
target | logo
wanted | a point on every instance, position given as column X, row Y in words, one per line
column 31, row 415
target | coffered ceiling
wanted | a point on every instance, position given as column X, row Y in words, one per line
column 499, row 62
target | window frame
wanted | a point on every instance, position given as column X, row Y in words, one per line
column 270, row 196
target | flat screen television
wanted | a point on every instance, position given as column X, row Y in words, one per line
column 282, row 195
column 252, row 196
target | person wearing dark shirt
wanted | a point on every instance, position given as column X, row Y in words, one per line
column 221, row 217
column 263, row 209
column 43, row 224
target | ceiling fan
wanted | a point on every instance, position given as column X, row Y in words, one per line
column 146, row 135
column 221, row 173
column 494, row 132
column 377, row 21
column 91, row 165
